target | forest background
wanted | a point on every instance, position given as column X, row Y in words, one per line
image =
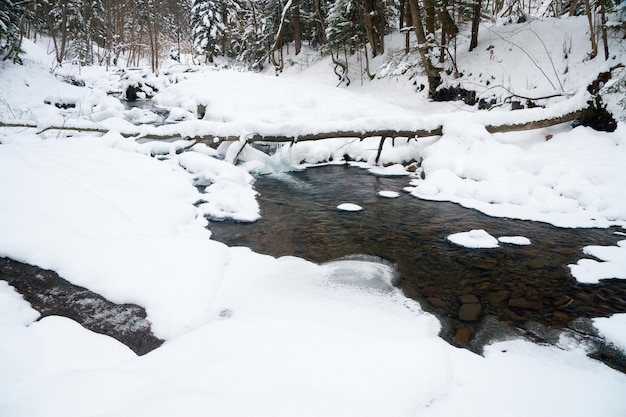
column 255, row 33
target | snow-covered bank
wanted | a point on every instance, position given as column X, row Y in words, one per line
column 289, row 336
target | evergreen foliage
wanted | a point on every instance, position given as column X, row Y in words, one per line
column 208, row 27
column 12, row 15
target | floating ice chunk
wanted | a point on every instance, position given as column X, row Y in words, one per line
column 475, row 239
column 349, row 207
column 514, row 240
column 361, row 271
column 389, row 194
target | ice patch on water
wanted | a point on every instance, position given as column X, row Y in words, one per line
column 362, row 271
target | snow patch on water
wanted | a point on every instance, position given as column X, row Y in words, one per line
column 514, row 240
column 349, row 207
column 389, row 194
column 475, row 239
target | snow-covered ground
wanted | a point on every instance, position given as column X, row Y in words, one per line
column 252, row 335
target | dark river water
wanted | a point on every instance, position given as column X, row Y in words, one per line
column 478, row 294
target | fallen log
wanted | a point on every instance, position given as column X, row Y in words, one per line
column 255, row 137
column 536, row 124
column 382, row 134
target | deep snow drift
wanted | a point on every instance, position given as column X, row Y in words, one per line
column 252, row 335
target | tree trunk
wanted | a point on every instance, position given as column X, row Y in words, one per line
column 381, row 24
column 369, row 9
column 297, row 27
column 475, row 24
column 605, row 41
column 592, row 32
column 319, row 23
column 449, row 29
column 432, row 72
column 429, row 7
column 278, row 41
column 59, row 39
column 405, row 22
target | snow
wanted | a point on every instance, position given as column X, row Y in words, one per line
column 349, row 207
column 13, row 309
column 514, row 240
column 611, row 264
column 612, row 328
column 389, row 194
column 249, row 334
column 480, row 239
column 394, row 170
column 476, row 239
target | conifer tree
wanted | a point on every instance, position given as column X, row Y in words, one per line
column 12, row 15
column 208, row 28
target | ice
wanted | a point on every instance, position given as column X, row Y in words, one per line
column 362, row 272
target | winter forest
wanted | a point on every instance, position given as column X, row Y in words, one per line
column 257, row 32
column 312, row 208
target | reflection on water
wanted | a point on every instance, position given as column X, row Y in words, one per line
column 517, row 286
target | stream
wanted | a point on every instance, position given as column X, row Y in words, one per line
column 479, row 295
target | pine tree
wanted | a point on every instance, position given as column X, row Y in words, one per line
column 12, row 15
column 252, row 49
column 208, row 28
column 342, row 25
column 86, row 25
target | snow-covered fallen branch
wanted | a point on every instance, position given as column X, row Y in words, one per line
column 204, row 131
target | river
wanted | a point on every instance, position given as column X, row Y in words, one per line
column 479, row 295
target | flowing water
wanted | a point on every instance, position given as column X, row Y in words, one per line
column 478, row 294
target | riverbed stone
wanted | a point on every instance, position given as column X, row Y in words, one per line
column 468, row 299
column 431, row 291
column 483, row 286
column 498, row 298
column 563, row 301
column 470, row 312
column 514, row 316
column 463, row 335
column 437, row 302
column 561, row 315
column 520, row 302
